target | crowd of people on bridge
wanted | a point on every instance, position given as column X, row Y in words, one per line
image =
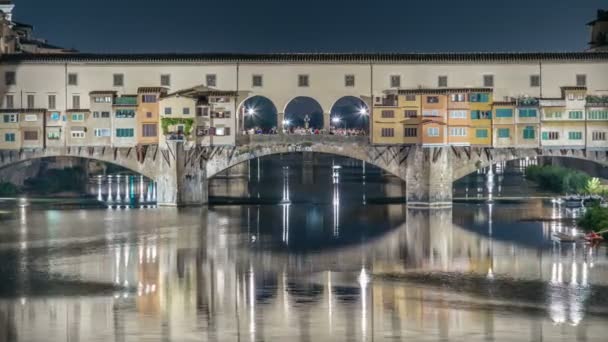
column 296, row 130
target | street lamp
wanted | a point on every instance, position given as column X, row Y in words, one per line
column 286, row 122
column 335, row 120
column 363, row 111
column 251, row 111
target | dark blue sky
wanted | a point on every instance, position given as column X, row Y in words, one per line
column 311, row 25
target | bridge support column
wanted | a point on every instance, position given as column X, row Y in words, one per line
column 327, row 121
column 182, row 179
column 281, row 122
column 429, row 178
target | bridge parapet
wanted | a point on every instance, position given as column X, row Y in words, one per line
column 290, row 139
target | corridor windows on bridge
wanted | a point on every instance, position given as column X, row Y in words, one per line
column 10, row 78
column 442, row 81
column 303, row 81
column 534, row 81
column 257, row 81
column 576, row 114
column 9, row 137
column 75, row 101
column 31, row 103
column 303, row 115
column 349, row 80
column 211, row 80
column 550, row 135
column 149, row 130
column 165, row 80
column 9, row 102
column 598, row 136
column 10, row 118
column 395, row 81
column 432, row 131
column 581, row 80
column 52, row 101
column 73, row 79
column 387, row 132
column 350, row 116
column 259, row 116
column 410, row 132
column 488, row 81
column 102, row 132
column 118, row 80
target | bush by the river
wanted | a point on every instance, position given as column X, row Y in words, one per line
column 595, row 218
column 8, row 189
column 558, row 179
column 57, row 180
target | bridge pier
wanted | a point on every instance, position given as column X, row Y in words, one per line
column 181, row 180
column 429, row 178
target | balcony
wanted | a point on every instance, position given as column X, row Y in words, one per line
column 597, row 101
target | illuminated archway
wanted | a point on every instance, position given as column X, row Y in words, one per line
column 301, row 110
column 259, row 112
column 350, row 112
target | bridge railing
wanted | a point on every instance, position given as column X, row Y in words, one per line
column 262, row 139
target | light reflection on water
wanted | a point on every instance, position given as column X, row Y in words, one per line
column 260, row 272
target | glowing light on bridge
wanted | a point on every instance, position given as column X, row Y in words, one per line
column 250, row 111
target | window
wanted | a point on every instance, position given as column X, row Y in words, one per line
column 98, row 115
column 387, row 132
column 78, row 133
column 458, row 132
column 165, row 80
column 575, row 135
column 504, row 113
column 125, row 132
column 211, row 80
column 125, row 113
column 580, row 96
column 52, row 101
column 534, row 81
column 527, row 113
column 30, row 117
column 10, row 118
column 488, row 80
column 529, row 133
column 202, row 111
column 481, row 133
column 119, row 80
column 395, row 81
column 504, row 133
column 54, row 135
column 186, row 111
column 55, row 116
column 10, row 102
column 432, row 131
column 76, row 101
column 598, row 115
column 598, row 136
column 410, row 132
column 148, row 115
column 149, row 130
column 410, row 97
column 77, row 117
column 479, row 97
column 433, row 112
column 9, row 137
column 388, row 114
column 432, row 99
column 570, row 96
column 10, row 78
column 581, row 80
column 30, row 135
column 458, row 97
column 302, row 80
column 167, row 110
column 102, row 99
column 102, row 132
column 481, row 114
column 31, row 101
column 73, row 79
column 349, row 80
column 257, row 81
column 410, row 113
column 550, row 135
column 575, row 114
column 442, row 81
column 148, row 98
column 222, row 131
column 458, row 114
column 553, row 114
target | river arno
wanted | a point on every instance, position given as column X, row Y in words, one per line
column 326, row 258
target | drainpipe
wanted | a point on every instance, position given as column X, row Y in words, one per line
column 239, row 123
column 540, row 76
column 370, row 125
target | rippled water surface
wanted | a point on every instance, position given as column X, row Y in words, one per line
column 303, row 249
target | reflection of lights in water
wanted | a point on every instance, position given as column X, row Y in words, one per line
column 251, row 302
column 286, row 204
column 110, row 199
column 23, row 300
column 117, row 188
column 336, row 209
column 363, row 281
column 99, row 198
column 329, row 301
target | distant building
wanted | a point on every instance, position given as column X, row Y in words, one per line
column 599, row 32
column 17, row 37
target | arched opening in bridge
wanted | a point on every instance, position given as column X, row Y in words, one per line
column 303, row 112
column 350, row 114
column 259, row 114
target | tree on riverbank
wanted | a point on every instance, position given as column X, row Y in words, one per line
column 595, row 218
column 558, row 179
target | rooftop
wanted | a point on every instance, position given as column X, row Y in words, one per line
column 501, row 57
column 440, row 91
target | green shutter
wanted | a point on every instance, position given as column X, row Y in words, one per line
column 504, row 113
column 529, row 133
column 545, row 135
column 481, row 133
column 503, row 132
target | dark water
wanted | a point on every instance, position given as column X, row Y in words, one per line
column 322, row 251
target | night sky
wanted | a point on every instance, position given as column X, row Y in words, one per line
column 312, row 25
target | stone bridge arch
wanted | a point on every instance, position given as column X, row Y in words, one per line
column 466, row 160
column 141, row 160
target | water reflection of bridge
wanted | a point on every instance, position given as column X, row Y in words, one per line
column 195, row 279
